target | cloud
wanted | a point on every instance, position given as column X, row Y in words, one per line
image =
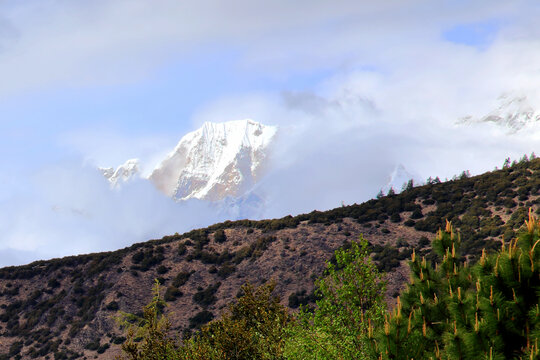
column 70, row 209
column 70, row 44
column 102, row 146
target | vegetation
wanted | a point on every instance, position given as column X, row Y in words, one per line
column 46, row 304
column 252, row 328
column 455, row 311
column 351, row 298
column 450, row 310
column 150, row 339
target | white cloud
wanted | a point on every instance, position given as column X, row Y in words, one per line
column 106, row 147
column 65, row 43
column 70, row 209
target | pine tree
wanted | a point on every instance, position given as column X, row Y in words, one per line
column 453, row 311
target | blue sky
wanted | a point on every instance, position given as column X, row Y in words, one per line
column 477, row 34
column 356, row 83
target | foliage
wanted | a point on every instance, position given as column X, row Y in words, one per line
column 153, row 329
column 219, row 236
column 252, row 328
column 453, row 311
column 351, row 300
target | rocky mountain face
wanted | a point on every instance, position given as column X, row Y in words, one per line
column 216, row 161
column 67, row 308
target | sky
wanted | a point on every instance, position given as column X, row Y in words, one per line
column 358, row 87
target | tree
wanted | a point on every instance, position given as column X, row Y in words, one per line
column 153, row 328
column 252, row 328
column 351, row 304
column 455, row 311
column 409, row 185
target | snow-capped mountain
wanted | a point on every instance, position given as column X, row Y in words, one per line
column 218, row 160
column 398, row 179
column 513, row 111
column 122, row 173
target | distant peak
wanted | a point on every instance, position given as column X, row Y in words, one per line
column 513, row 111
column 123, row 173
column 215, row 161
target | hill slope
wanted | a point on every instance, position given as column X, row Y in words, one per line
column 65, row 308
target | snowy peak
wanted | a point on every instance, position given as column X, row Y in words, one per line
column 513, row 111
column 215, row 161
column 398, row 179
column 123, row 173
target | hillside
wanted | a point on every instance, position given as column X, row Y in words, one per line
column 65, row 308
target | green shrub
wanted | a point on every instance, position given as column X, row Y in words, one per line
column 172, row 293
column 206, row 297
column 219, row 236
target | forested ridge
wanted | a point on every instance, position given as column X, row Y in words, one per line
column 66, row 308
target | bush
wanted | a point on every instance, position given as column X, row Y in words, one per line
column 219, row 236
column 172, row 293
column 150, row 338
column 181, row 278
column 112, row 306
column 201, row 318
column 206, row 296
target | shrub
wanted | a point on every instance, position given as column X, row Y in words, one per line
column 181, row 278
column 201, row 318
column 219, row 236
column 112, row 306
column 172, row 293
column 162, row 269
column 206, row 296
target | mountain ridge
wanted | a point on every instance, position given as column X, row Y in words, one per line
column 65, row 307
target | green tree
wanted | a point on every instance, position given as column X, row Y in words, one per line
column 351, row 304
column 149, row 339
column 252, row 328
column 456, row 311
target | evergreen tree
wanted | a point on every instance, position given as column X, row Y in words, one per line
column 453, row 311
